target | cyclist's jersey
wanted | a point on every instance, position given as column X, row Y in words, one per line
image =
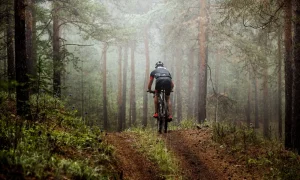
column 160, row 73
column 163, row 79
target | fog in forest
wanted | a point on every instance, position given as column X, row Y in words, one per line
column 77, row 81
column 225, row 58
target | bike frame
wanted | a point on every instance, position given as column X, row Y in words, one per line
column 162, row 106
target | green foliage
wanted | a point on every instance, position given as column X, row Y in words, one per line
column 257, row 153
column 60, row 145
column 154, row 147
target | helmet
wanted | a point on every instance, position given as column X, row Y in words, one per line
column 159, row 63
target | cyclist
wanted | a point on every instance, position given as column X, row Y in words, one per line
column 163, row 81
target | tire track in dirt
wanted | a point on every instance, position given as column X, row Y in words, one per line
column 193, row 162
column 130, row 163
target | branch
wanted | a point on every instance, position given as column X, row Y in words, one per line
column 77, row 45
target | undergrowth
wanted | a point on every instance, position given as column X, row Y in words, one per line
column 56, row 145
column 153, row 146
column 256, row 153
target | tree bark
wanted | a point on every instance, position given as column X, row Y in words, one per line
column 279, row 104
column 104, row 91
column 296, row 80
column 178, row 84
column 21, row 61
column 34, row 46
column 125, row 67
column 57, row 65
column 10, row 45
column 29, row 37
column 248, row 111
column 203, row 63
column 256, row 104
column 191, row 85
column 288, row 73
column 132, row 91
column 120, row 91
column 147, row 75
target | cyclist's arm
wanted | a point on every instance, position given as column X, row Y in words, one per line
column 172, row 85
column 150, row 82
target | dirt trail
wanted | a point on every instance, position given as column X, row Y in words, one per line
column 194, row 163
column 132, row 164
column 201, row 159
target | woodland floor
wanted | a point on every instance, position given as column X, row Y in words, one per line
column 199, row 156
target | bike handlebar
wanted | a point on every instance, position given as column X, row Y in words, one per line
column 153, row 92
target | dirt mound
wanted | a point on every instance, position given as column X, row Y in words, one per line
column 131, row 164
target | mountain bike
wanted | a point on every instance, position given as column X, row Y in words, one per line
column 162, row 106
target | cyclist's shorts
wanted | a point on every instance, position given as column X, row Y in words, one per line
column 164, row 83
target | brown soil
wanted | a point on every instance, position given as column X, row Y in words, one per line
column 201, row 158
column 131, row 164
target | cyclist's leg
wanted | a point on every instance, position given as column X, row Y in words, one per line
column 168, row 88
column 157, row 89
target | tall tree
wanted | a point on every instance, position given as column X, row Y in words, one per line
column 178, row 83
column 29, row 36
column 21, row 61
column 279, row 84
column 34, row 44
column 147, row 74
column 120, row 90
column 248, row 109
column 296, row 78
column 10, row 44
column 125, row 67
column 191, row 84
column 132, row 88
column 203, row 62
column 265, row 102
column 57, row 64
column 288, row 72
column 256, row 120
column 104, row 86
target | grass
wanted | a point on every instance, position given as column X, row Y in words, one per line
column 57, row 145
column 151, row 144
column 257, row 154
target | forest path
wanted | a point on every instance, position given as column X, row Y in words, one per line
column 200, row 158
column 131, row 164
column 191, row 149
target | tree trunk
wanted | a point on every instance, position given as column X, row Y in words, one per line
column 279, row 104
column 265, row 103
column 57, row 65
column 217, row 70
column 21, row 62
column 256, row 104
column 29, row 37
column 147, row 75
column 34, row 46
column 203, row 62
column 125, row 67
column 178, row 83
column 120, row 91
column 132, row 91
column 248, row 111
column 191, row 85
column 296, row 80
column 104, row 91
column 10, row 46
column 288, row 73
